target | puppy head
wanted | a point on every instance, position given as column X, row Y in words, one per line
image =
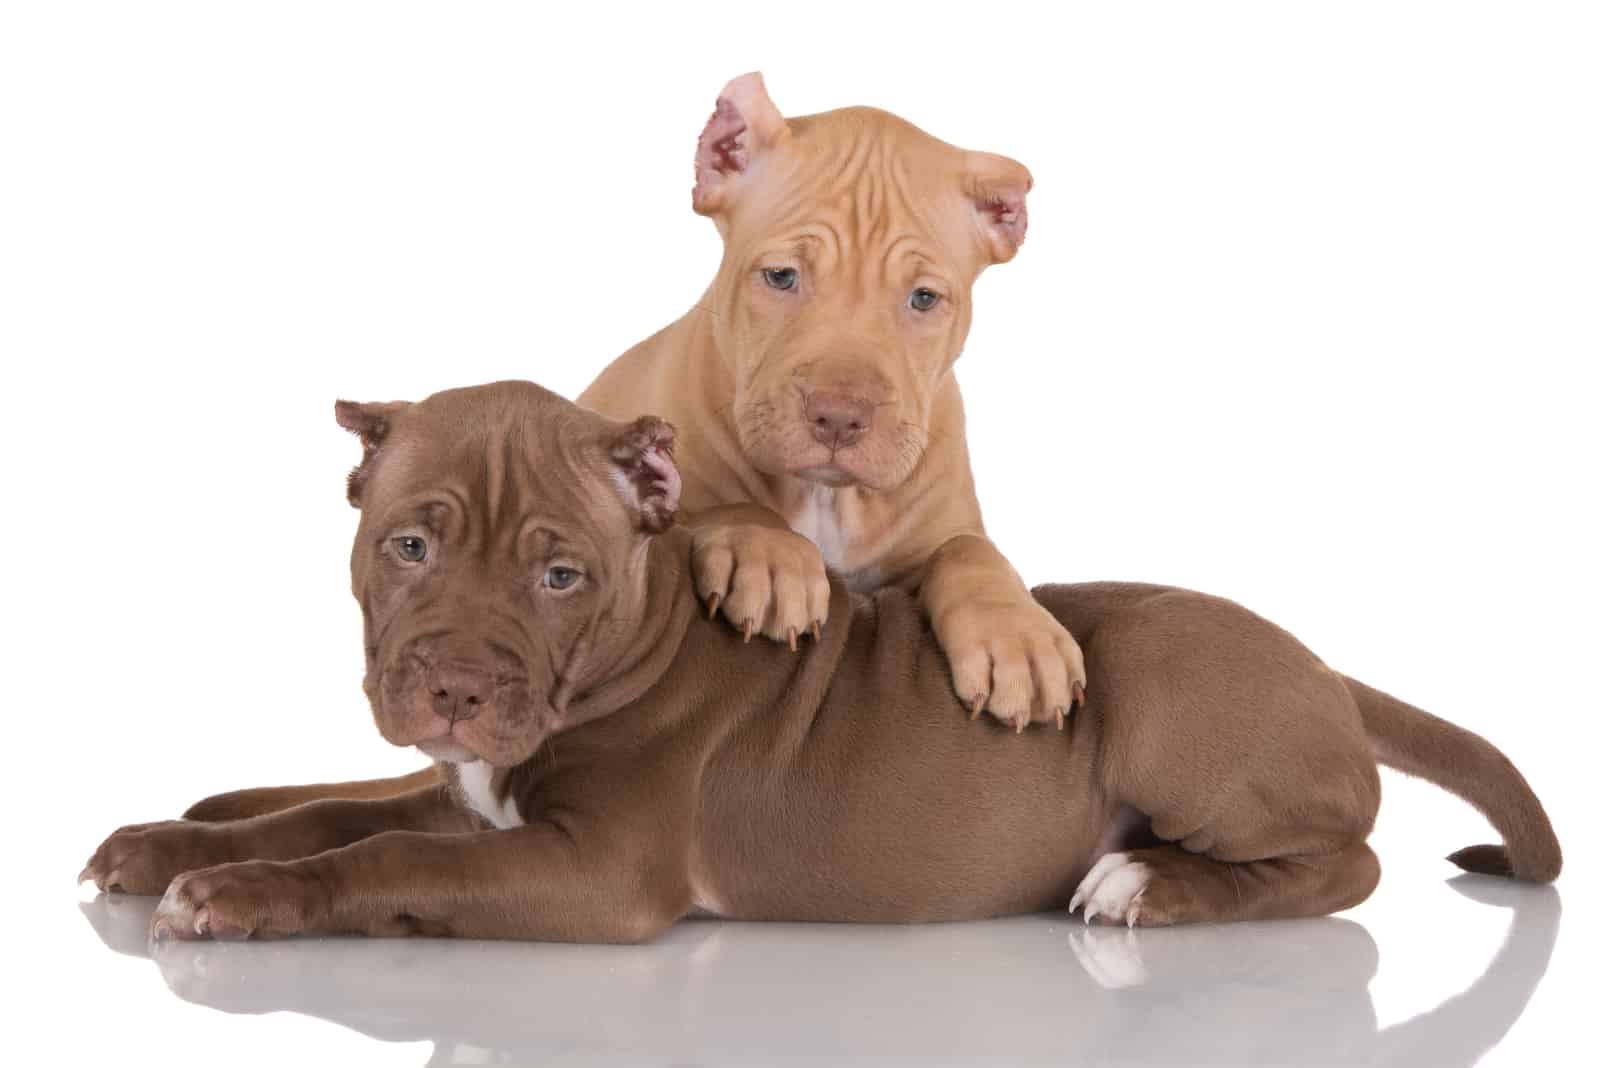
column 499, row 559
column 851, row 243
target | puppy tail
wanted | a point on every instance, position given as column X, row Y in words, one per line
column 1416, row 743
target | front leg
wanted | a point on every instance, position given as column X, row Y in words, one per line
column 1007, row 653
column 531, row 882
column 143, row 858
column 764, row 577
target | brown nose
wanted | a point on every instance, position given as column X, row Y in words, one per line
column 838, row 419
column 459, row 690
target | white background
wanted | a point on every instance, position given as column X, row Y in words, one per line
column 1307, row 316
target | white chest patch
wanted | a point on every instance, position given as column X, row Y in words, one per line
column 818, row 519
column 475, row 779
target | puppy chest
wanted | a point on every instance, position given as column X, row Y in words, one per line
column 482, row 789
column 818, row 517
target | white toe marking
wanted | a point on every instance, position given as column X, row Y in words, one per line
column 1112, row 889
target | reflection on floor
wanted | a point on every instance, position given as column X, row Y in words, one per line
column 1030, row 989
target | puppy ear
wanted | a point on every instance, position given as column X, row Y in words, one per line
column 744, row 125
column 371, row 423
column 647, row 473
column 998, row 188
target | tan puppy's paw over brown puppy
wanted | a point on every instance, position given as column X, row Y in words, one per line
column 764, row 579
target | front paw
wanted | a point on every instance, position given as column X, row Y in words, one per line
column 261, row 898
column 1012, row 659
column 765, row 580
column 144, row 857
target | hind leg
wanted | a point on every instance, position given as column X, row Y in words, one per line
column 1165, row 885
column 1250, row 839
column 261, row 800
column 1248, row 755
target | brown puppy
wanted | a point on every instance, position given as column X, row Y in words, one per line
column 815, row 376
column 616, row 761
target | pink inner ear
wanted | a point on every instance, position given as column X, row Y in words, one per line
column 1010, row 216
column 722, row 150
column 668, row 481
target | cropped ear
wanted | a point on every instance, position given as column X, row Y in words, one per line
column 371, row 423
column 647, row 473
column 998, row 188
column 745, row 124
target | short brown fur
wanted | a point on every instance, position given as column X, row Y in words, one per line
column 663, row 766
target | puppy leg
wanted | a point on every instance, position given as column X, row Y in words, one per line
column 1247, row 754
column 1165, row 885
column 531, row 882
column 257, row 801
column 144, row 858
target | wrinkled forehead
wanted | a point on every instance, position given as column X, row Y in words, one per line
column 861, row 183
column 491, row 468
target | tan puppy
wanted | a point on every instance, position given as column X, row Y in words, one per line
column 815, row 376
column 815, row 379
column 617, row 761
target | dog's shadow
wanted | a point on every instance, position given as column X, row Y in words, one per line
column 1031, row 989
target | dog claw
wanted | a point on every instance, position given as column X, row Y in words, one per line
column 712, row 603
column 1077, row 694
column 1061, row 718
column 749, row 629
column 794, row 640
column 816, row 630
column 1022, row 723
column 85, row 875
column 1089, row 913
column 977, row 705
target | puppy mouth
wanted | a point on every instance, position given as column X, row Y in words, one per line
column 829, row 474
column 447, row 750
column 488, row 715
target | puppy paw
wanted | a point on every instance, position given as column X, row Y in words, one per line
column 259, row 898
column 1012, row 659
column 144, row 857
column 1112, row 890
column 764, row 580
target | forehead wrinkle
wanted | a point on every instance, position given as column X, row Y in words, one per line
column 432, row 507
column 540, row 535
column 510, row 487
column 494, row 480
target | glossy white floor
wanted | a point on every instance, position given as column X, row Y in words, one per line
column 1429, row 972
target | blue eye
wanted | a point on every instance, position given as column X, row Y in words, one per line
column 922, row 299
column 780, row 277
column 410, row 548
column 562, row 578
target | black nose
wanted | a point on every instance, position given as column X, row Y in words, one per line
column 459, row 690
column 838, row 419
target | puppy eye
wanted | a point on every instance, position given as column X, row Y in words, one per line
column 922, row 299
column 780, row 277
column 410, row 548
column 562, row 578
